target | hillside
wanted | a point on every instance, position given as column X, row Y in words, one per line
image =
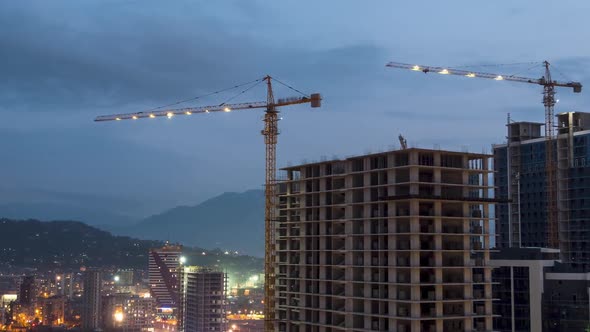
column 231, row 221
column 70, row 244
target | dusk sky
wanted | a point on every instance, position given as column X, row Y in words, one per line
column 64, row 62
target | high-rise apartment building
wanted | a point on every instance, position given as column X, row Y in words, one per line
column 27, row 293
column 202, row 300
column 521, row 178
column 163, row 275
column 64, row 285
column 393, row 241
column 91, row 310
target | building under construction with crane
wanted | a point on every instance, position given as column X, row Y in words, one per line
column 546, row 164
column 542, row 172
column 535, row 291
column 520, row 175
column 394, row 241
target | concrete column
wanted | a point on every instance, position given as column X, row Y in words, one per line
column 413, row 157
column 439, row 322
column 437, row 178
column 414, row 177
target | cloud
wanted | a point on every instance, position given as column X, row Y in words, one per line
column 63, row 63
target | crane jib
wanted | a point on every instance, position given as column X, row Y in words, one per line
column 577, row 86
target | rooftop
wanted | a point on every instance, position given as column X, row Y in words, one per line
column 470, row 155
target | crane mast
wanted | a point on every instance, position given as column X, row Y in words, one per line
column 270, row 133
column 549, row 102
column 550, row 162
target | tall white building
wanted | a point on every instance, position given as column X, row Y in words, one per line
column 203, row 300
column 393, row 241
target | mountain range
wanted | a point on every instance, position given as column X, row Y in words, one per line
column 230, row 221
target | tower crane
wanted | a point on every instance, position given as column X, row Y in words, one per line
column 549, row 86
column 270, row 133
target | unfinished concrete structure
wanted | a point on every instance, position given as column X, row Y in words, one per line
column 393, row 241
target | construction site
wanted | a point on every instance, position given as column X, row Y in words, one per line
column 403, row 240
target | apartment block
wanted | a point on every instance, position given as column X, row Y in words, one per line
column 203, row 300
column 521, row 180
column 91, row 310
column 127, row 312
column 393, row 241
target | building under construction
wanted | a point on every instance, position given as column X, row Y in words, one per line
column 393, row 241
column 521, row 176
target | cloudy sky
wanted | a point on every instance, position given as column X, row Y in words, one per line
column 64, row 62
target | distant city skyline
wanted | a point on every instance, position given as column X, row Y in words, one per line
column 64, row 63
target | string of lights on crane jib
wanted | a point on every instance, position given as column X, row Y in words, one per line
column 473, row 74
column 206, row 109
column 180, row 111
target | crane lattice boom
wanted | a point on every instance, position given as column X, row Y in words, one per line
column 206, row 109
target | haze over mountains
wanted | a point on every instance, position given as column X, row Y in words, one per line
column 230, row 221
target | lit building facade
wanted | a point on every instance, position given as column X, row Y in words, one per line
column 128, row 312
column 163, row 275
column 52, row 310
column 394, row 241
column 125, row 277
column 203, row 297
